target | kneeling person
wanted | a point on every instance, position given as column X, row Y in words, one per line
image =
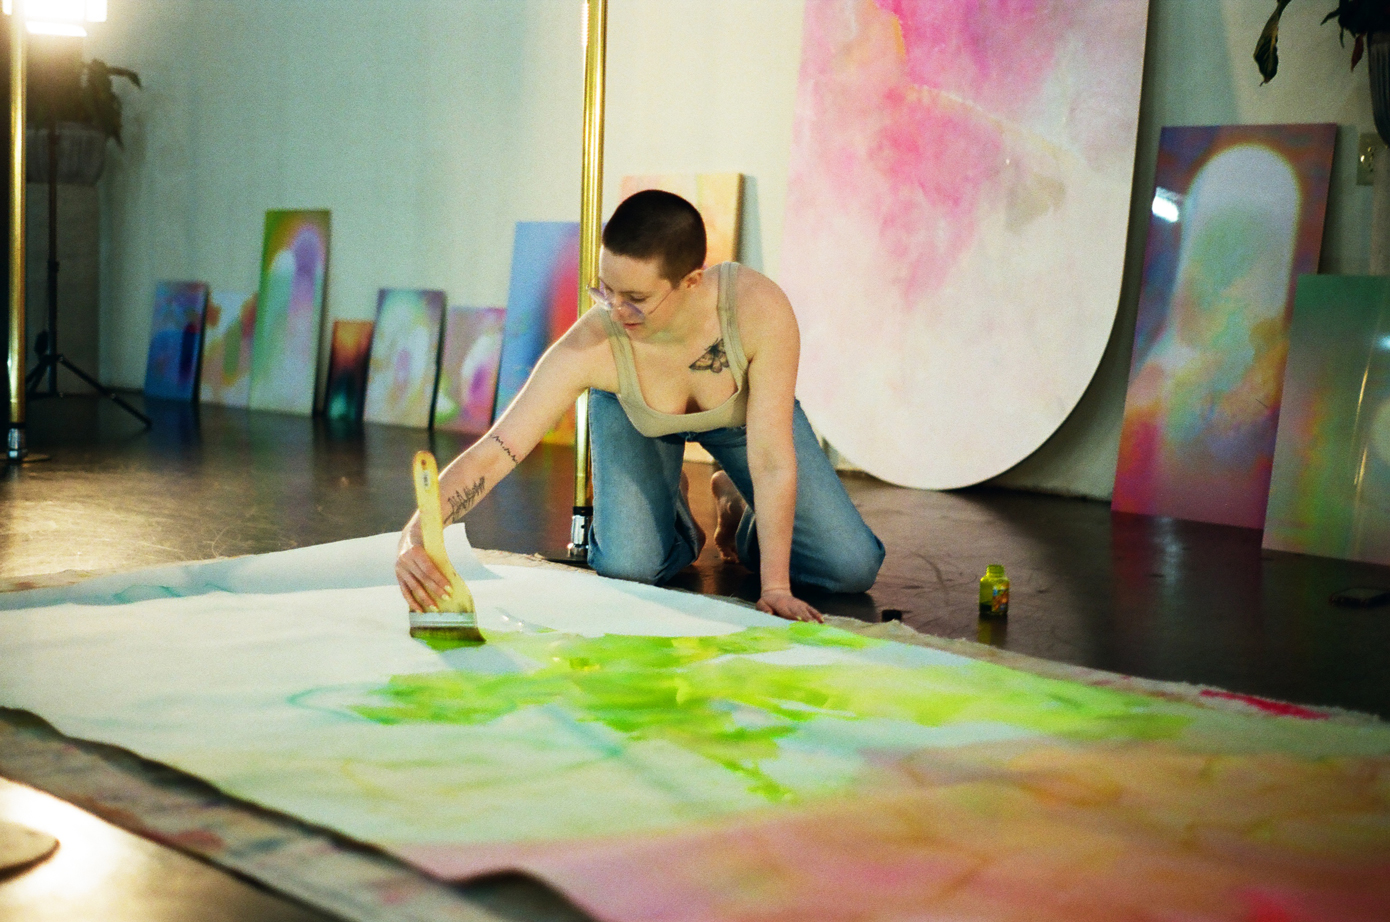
column 678, row 353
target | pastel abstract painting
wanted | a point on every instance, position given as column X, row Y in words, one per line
column 958, row 199
column 289, row 309
column 662, row 755
column 227, row 341
column 719, row 198
column 542, row 303
column 468, row 369
column 345, row 395
column 176, row 340
column 1329, row 493
column 404, row 362
column 1237, row 216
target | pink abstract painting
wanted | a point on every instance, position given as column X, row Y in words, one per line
column 468, row 369
column 956, row 214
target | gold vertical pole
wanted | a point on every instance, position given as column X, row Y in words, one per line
column 590, row 218
column 16, row 447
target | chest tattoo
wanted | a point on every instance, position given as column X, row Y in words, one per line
column 714, row 360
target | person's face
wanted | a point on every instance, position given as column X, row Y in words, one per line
column 632, row 290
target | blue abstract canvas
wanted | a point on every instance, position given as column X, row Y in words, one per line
column 176, row 340
column 542, row 299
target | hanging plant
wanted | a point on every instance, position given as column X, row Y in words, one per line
column 1358, row 17
column 83, row 93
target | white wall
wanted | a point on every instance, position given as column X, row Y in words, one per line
column 430, row 127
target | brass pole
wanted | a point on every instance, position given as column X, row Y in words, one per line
column 16, row 447
column 590, row 220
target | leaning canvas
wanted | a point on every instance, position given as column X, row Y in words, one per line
column 719, row 198
column 176, row 339
column 1330, row 489
column 405, row 356
column 345, row 395
column 294, row 269
column 468, row 369
column 542, row 303
column 227, row 340
column 1237, row 215
column 957, row 200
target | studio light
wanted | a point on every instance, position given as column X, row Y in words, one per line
column 59, row 17
column 48, row 17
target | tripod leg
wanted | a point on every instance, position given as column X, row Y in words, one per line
column 103, row 390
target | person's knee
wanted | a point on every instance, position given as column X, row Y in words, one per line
column 854, row 569
column 629, row 564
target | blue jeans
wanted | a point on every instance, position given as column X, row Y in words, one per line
column 643, row 529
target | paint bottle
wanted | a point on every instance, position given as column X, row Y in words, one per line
column 994, row 592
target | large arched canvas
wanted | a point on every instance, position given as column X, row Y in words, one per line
column 956, row 216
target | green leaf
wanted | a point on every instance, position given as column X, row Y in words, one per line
column 1267, row 48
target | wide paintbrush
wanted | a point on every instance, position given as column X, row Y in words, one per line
column 454, row 621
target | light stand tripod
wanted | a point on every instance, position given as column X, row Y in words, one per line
column 46, row 343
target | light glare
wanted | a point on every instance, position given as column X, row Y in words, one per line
column 56, row 28
column 1165, row 209
column 67, row 11
column 54, row 10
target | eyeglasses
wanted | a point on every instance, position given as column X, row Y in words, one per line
column 611, row 302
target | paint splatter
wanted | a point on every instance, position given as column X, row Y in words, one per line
column 711, row 697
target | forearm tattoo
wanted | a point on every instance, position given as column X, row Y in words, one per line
column 515, row 459
column 464, row 500
column 714, row 359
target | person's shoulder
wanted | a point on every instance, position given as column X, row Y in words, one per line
column 583, row 351
column 587, row 333
column 750, row 283
column 763, row 308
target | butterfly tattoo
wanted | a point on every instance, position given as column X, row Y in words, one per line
column 714, row 360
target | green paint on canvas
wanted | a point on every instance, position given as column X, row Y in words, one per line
column 710, row 697
column 1328, row 487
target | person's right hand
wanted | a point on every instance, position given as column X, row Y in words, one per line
column 420, row 580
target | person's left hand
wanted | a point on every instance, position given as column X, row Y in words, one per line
column 783, row 604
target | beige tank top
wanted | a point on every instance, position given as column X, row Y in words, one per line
column 653, row 423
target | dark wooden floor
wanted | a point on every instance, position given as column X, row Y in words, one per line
column 1158, row 598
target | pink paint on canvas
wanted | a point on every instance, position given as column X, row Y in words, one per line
column 955, row 222
column 1014, row 831
column 468, row 369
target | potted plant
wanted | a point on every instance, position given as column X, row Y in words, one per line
column 76, row 102
column 1368, row 21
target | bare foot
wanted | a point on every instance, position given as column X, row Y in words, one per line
column 728, row 505
column 700, row 535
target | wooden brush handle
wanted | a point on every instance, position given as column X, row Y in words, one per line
column 426, row 476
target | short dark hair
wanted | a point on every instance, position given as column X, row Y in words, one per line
column 658, row 225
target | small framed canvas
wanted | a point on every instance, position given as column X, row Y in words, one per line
column 404, row 361
column 468, row 369
column 176, row 340
column 228, row 335
column 348, row 357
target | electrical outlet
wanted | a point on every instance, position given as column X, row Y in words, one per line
column 1370, row 150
